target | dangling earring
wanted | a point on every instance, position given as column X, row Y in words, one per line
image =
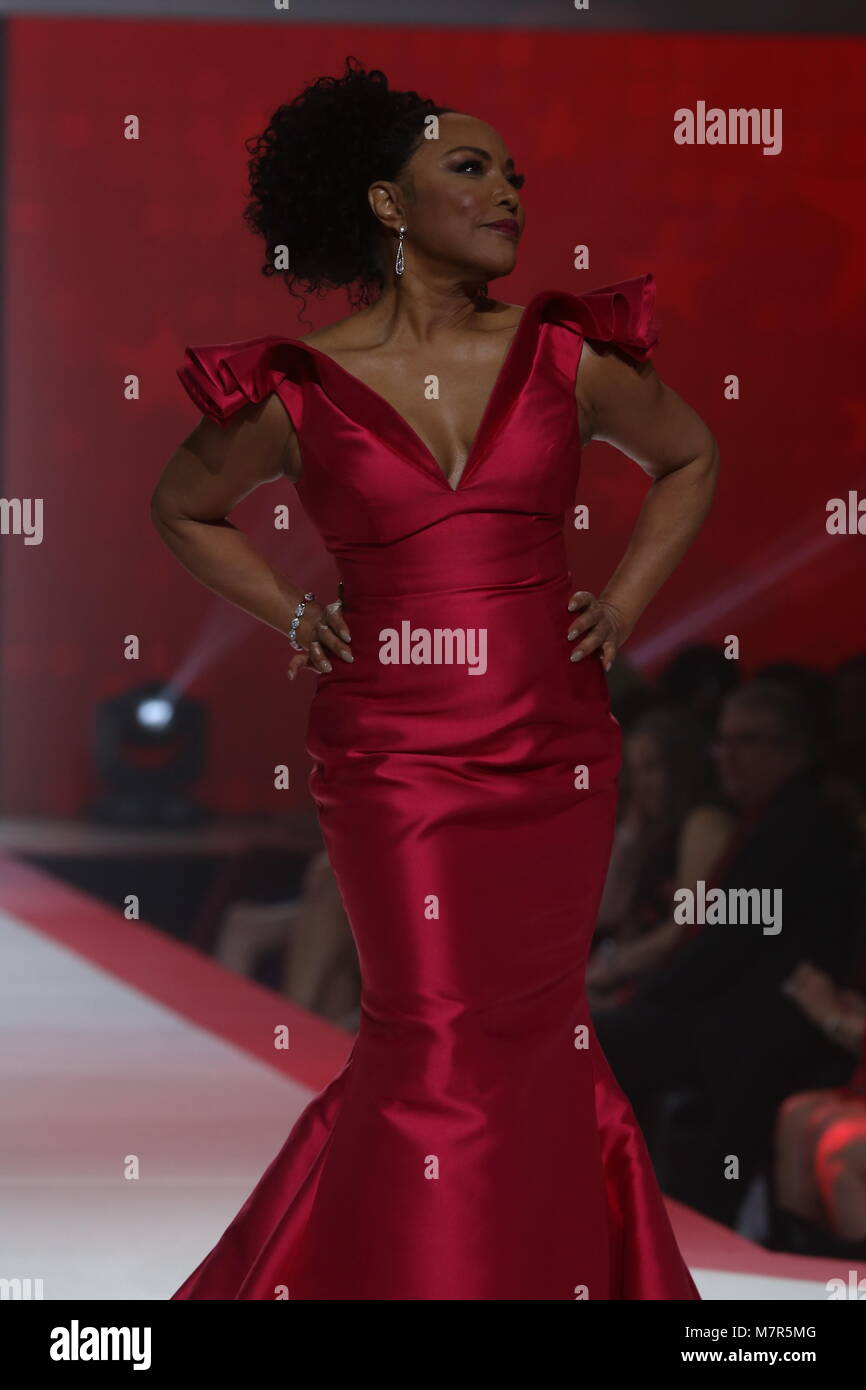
column 400, row 263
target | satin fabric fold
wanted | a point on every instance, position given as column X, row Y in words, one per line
column 476, row 1144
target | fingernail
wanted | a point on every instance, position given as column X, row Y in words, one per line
column 571, row 605
column 572, row 635
column 345, row 636
column 577, row 656
column 347, row 656
column 291, row 675
column 326, row 666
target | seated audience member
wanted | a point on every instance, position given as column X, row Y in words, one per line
column 672, row 830
column 319, row 960
column 714, row 1019
column 698, row 679
column 321, row 969
column 819, row 1162
column 812, row 687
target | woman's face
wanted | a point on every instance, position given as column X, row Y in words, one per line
column 459, row 203
column 646, row 772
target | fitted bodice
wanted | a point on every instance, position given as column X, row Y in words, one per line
column 386, row 512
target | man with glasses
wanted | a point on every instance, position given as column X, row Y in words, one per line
column 715, row 1020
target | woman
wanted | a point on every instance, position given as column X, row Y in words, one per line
column 674, row 830
column 819, row 1169
column 475, row 1145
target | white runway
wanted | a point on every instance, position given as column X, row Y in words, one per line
column 143, row 1099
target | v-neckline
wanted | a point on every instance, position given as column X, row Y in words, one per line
column 488, row 415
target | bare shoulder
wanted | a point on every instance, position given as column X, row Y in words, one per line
column 709, row 821
column 710, row 814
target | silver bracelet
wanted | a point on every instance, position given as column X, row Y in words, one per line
column 293, row 626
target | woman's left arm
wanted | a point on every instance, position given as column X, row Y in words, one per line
column 627, row 405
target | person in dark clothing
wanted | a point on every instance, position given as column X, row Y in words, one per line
column 698, row 679
column 715, row 1019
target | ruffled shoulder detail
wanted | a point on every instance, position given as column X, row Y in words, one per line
column 623, row 315
column 220, row 378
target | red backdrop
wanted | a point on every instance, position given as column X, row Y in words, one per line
column 119, row 253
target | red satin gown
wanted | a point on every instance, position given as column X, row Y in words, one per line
column 475, row 1145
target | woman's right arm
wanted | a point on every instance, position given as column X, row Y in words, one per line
column 212, row 470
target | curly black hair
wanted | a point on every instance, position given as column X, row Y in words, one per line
column 310, row 171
